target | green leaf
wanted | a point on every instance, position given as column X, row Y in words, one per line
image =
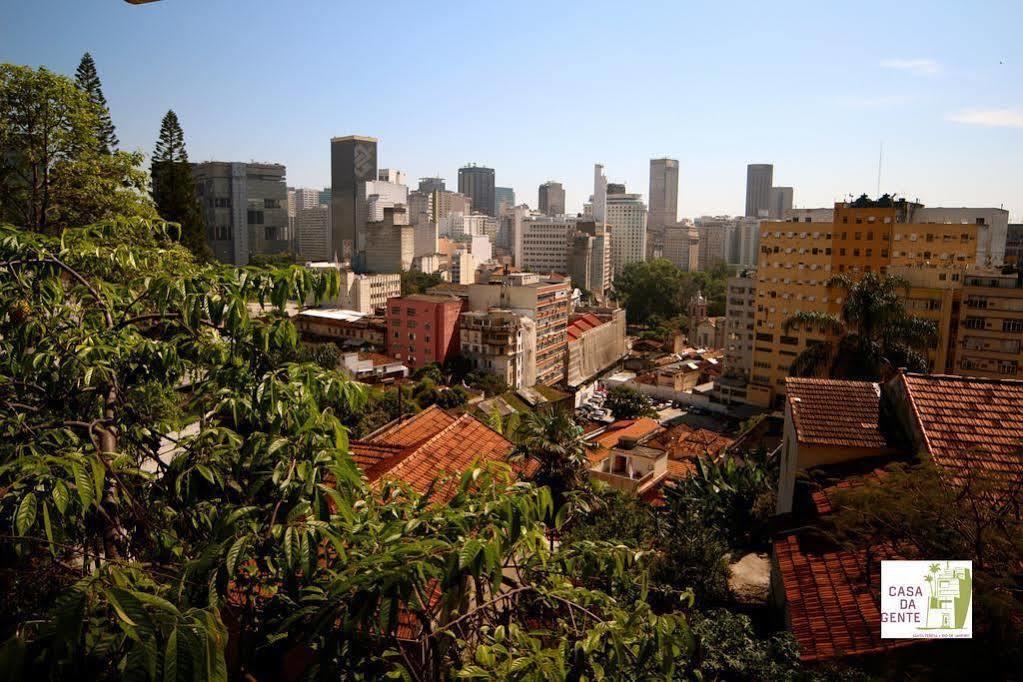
column 26, row 515
column 61, row 496
column 170, row 658
column 49, row 528
column 235, row 553
column 83, row 482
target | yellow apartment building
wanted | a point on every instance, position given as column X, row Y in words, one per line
column 796, row 259
column 991, row 328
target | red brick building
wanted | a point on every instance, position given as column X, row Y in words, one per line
column 423, row 328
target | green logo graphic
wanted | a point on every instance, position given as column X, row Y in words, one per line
column 948, row 603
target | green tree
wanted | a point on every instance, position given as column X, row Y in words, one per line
column 656, row 288
column 874, row 334
column 88, row 82
column 628, row 403
column 174, row 187
column 551, row 438
column 52, row 174
column 415, row 282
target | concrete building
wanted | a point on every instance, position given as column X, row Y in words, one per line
column 353, row 160
column 500, row 342
column 626, row 219
column 598, row 201
column 312, row 233
column 682, row 246
column 463, row 267
column 388, row 191
column 423, row 329
column 362, row 293
column 595, row 276
column 663, row 199
column 425, row 239
column 714, row 233
column 504, row 200
column 551, row 198
column 545, row 301
column 545, row 244
column 759, row 181
column 710, row 333
column 742, row 246
column 780, row 202
column 347, row 328
column 740, row 322
column 389, row 243
column 477, row 183
column 244, row 207
column 797, row 259
column 1013, row 244
column 596, row 341
column 430, row 185
column 990, row 335
column 324, row 196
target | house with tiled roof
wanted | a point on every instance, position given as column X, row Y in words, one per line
column 839, row 435
column 430, row 446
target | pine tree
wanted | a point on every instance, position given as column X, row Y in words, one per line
column 174, row 187
column 88, row 82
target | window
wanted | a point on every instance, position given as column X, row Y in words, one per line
column 255, row 217
column 1012, row 325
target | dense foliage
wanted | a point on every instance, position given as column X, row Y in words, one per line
column 874, row 335
column 174, row 187
column 656, row 291
column 628, row 403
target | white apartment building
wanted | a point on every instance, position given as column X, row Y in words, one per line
column 501, row 342
column 312, row 232
column 361, row 293
column 626, row 216
column 682, row 246
column 545, row 244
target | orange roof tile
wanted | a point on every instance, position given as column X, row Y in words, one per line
column 836, row 413
column 824, row 499
column 636, row 428
column 367, row 454
column 683, row 441
column 833, row 609
column 415, row 429
column 969, row 423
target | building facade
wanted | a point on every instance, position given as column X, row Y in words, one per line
column 353, row 160
column 759, row 180
column 244, row 208
column 780, row 202
column 682, row 246
column 989, row 339
column 423, row 329
column 596, row 341
column 477, row 183
column 389, row 243
column 504, row 200
column 551, row 198
column 663, row 200
column 545, row 244
column 312, row 233
column 502, row 343
column 626, row 219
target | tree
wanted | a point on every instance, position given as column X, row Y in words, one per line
column 550, row 438
column 628, row 403
column 652, row 288
column 174, row 187
column 874, row 334
column 52, row 174
column 416, row 282
column 88, row 82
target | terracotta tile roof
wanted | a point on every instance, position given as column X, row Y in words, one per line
column 367, row 454
column 414, row 430
column 968, row 423
column 636, row 428
column 682, row 441
column 831, row 607
column 582, row 323
column 836, row 413
column 448, row 452
column 824, row 499
column 678, row 469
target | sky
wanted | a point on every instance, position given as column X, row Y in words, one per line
column 543, row 90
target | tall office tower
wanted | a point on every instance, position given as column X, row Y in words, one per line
column 504, row 200
column 431, row 185
column 682, row 246
column 663, row 200
column 390, row 242
column 446, row 203
column 376, row 195
column 551, row 200
column 715, row 234
column 780, row 202
column 477, row 183
column 511, row 231
column 747, row 231
column 759, row 180
column 598, row 202
column 353, row 161
column 312, row 228
column 245, row 208
column 626, row 220
column 420, row 208
column 324, row 196
column 305, row 197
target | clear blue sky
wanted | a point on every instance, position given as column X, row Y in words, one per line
column 543, row 90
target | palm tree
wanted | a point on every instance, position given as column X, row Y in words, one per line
column 552, row 439
column 874, row 333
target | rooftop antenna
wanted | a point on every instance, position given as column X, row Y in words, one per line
column 880, row 155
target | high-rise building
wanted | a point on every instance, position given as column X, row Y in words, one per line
column 390, row 243
column 545, row 301
column 353, row 161
column 431, row 185
column 796, row 260
column 423, row 328
column 545, row 244
column 626, row 220
column 312, row 228
column 365, row 294
column 740, row 315
column 244, row 207
column 682, row 246
column 759, row 180
column 598, row 202
column 551, row 199
column 305, row 197
column 663, row 200
column 477, row 183
column 504, row 200
column 990, row 335
column 324, row 197
column 780, row 202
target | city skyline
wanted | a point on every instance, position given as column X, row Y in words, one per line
column 949, row 116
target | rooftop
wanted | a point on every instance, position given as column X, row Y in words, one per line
column 829, row 412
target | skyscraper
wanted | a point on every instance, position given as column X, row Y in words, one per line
column 353, row 160
column 551, row 200
column 626, row 220
column 781, row 201
column 477, row 183
column 431, row 185
column 503, row 195
column 759, row 180
column 598, row 203
column 663, row 199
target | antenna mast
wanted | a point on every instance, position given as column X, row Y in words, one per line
column 880, row 154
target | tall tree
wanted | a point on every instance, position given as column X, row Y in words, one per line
column 552, row 439
column 51, row 172
column 872, row 335
column 174, row 187
column 88, row 82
